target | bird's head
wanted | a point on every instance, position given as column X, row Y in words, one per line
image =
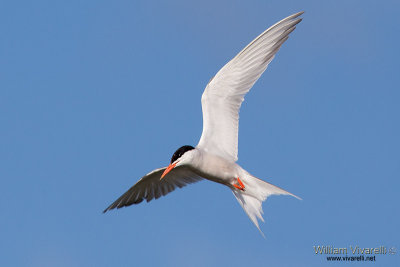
column 180, row 157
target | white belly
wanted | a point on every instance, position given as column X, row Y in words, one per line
column 216, row 168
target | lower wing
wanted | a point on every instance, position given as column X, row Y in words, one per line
column 151, row 186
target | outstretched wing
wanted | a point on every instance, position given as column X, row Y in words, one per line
column 151, row 187
column 224, row 94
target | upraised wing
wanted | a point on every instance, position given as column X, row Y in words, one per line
column 225, row 92
column 151, row 187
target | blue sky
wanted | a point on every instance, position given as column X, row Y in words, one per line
column 95, row 94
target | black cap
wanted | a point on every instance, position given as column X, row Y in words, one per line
column 182, row 150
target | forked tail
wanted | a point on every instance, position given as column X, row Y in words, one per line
column 255, row 192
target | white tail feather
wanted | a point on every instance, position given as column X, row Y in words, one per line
column 256, row 191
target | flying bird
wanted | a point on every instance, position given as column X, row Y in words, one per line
column 214, row 158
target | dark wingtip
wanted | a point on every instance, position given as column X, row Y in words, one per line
column 108, row 208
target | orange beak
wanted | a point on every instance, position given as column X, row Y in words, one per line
column 168, row 169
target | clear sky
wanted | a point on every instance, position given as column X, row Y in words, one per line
column 95, row 94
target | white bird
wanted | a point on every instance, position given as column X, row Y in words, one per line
column 214, row 158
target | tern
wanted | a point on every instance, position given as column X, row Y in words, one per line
column 214, row 158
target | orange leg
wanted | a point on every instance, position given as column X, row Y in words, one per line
column 240, row 185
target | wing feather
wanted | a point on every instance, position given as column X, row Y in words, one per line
column 225, row 92
column 150, row 186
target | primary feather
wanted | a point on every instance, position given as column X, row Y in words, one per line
column 150, row 186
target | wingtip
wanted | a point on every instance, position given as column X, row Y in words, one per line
column 298, row 14
column 108, row 208
column 299, row 198
column 261, row 232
